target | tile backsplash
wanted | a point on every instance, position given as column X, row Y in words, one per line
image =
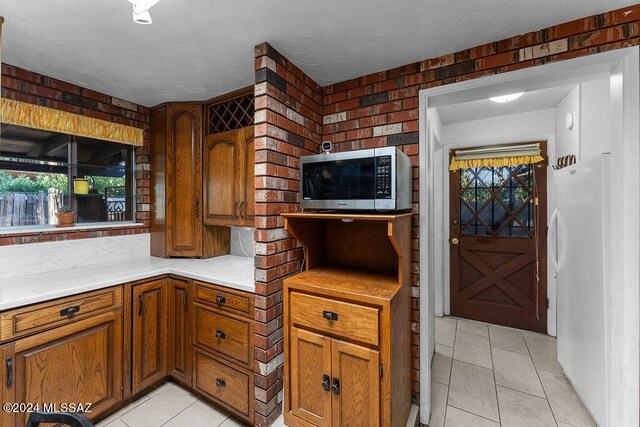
column 242, row 238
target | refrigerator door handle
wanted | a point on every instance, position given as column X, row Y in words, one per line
column 553, row 225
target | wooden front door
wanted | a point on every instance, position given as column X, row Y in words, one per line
column 498, row 245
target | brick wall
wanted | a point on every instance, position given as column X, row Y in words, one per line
column 27, row 86
column 381, row 109
column 288, row 124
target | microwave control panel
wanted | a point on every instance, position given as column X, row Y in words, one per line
column 383, row 177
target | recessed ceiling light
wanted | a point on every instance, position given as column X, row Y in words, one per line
column 506, row 98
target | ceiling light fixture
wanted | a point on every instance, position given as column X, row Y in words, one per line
column 506, row 98
column 141, row 13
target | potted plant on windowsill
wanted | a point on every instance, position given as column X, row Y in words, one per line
column 66, row 217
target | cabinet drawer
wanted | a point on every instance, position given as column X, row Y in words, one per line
column 39, row 317
column 223, row 299
column 223, row 334
column 351, row 321
column 222, row 382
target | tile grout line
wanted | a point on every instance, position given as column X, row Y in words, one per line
column 188, row 406
column 446, row 402
column 495, row 383
column 474, row 414
column 540, row 379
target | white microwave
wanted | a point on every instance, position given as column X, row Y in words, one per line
column 373, row 179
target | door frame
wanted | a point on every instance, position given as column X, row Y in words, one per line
column 622, row 66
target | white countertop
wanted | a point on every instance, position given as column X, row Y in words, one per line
column 230, row 270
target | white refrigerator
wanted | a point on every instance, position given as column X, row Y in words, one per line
column 578, row 245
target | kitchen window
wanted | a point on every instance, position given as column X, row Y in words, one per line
column 43, row 171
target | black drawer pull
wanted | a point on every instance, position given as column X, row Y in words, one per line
column 220, row 299
column 220, row 334
column 329, row 315
column 326, row 380
column 335, row 387
column 70, row 311
column 220, row 383
column 140, row 305
column 9, row 372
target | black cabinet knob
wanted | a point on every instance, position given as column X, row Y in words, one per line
column 326, row 386
column 221, row 334
column 220, row 383
column 220, row 299
column 69, row 311
column 335, row 387
column 329, row 315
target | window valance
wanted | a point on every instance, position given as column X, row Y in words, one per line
column 510, row 155
column 43, row 118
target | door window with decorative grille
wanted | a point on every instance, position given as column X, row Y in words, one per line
column 497, row 201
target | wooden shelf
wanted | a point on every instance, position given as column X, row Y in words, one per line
column 365, row 242
column 359, row 217
column 348, row 282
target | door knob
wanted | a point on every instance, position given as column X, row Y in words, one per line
column 455, row 241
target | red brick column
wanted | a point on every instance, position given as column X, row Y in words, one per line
column 288, row 124
column 34, row 88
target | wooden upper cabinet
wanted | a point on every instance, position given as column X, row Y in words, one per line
column 80, row 362
column 310, row 368
column 149, row 351
column 221, row 192
column 229, row 190
column 184, row 180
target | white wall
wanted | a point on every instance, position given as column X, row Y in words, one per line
column 595, row 118
column 568, row 140
column 590, row 103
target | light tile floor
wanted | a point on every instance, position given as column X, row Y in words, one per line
column 172, row 406
column 488, row 375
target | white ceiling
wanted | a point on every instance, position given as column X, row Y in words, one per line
column 197, row 49
column 485, row 108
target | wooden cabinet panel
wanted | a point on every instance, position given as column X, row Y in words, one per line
column 224, row 299
column 221, row 192
column 7, row 383
column 81, row 362
column 184, row 180
column 229, row 386
column 248, row 203
column 179, row 345
column 357, row 370
column 39, row 317
column 231, row 337
column 149, row 349
column 310, row 370
column 229, row 188
column 354, row 321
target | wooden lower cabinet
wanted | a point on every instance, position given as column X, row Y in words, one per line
column 179, row 345
column 227, row 384
column 355, row 387
column 310, row 367
column 78, row 363
column 121, row 341
column 149, row 346
column 333, row 382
